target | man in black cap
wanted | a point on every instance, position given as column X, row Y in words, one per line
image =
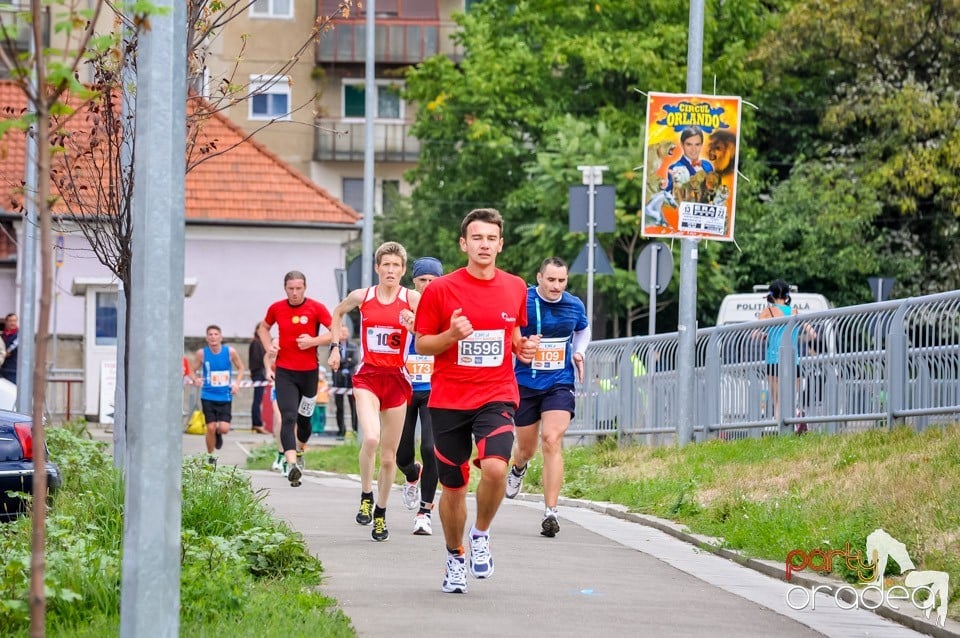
column 421, row 485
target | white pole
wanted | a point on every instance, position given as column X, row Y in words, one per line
column 592, row 177
column 150, row 586
column 370, row 132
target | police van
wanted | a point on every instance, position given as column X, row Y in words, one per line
column 746, row 306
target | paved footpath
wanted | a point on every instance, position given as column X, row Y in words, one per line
column 600, row 576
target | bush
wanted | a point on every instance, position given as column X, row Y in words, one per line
column 235, row 557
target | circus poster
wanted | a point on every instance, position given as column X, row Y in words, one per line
column 690, row 166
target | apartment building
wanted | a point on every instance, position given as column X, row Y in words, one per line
column 316, row 108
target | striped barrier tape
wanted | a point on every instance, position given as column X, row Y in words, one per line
column 261, row 384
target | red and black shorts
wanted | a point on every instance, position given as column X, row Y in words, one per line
column 455, row 431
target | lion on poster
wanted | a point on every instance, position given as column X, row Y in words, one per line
column 690, row 166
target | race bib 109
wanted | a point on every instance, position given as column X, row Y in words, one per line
column 551, row 354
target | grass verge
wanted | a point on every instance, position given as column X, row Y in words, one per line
column 768, row 496
column 241, row 570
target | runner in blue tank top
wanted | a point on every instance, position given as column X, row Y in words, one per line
column 213, row 368
column 547, row 383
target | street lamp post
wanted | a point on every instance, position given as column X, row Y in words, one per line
column 592, row 177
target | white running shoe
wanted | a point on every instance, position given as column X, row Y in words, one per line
column 277, row 464
column 455, row 580
column 421, row 525
column 411, row 491
column 481, row 561
column 514, row 481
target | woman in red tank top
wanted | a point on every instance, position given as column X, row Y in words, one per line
column 380, row 386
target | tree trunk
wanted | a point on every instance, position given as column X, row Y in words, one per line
column 38, row 546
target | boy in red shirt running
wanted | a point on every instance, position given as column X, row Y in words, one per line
column 381, row 386
column 298, row 320
column 470, row 321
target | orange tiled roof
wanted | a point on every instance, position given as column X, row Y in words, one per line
column 247, row 183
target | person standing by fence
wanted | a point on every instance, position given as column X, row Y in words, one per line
column 258, row 374
column 547, row 383
column 778, row 300
column 343, row 384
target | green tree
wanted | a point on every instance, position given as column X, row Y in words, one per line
column 879, row 82
column 817, row 230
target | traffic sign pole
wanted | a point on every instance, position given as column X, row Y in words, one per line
column 654, row 272
column 592, row 177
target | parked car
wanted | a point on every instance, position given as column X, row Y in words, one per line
column 16, row 464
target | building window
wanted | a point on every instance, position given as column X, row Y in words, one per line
column 389, row 104
column 391, row 195
column 269, row 98
column 106, row 319
column 200, row 83
column 353, row 193
column 272, row 9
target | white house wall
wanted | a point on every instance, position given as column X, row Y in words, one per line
column 239, row 272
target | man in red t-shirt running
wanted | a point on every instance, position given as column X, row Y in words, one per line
column 298, row 320
column 381, row 386
column 470, row 321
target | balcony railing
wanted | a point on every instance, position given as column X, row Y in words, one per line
column 407, row 42
column 341, row 141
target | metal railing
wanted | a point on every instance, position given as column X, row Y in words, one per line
column 340, row 141
column 64, row 395
column 853, row 368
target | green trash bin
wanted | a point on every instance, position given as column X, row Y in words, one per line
column 318, row 422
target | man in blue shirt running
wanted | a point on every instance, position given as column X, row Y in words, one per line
column 214, row 366
column 547, row 383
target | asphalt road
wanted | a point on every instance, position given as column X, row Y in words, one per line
column 600, row 576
